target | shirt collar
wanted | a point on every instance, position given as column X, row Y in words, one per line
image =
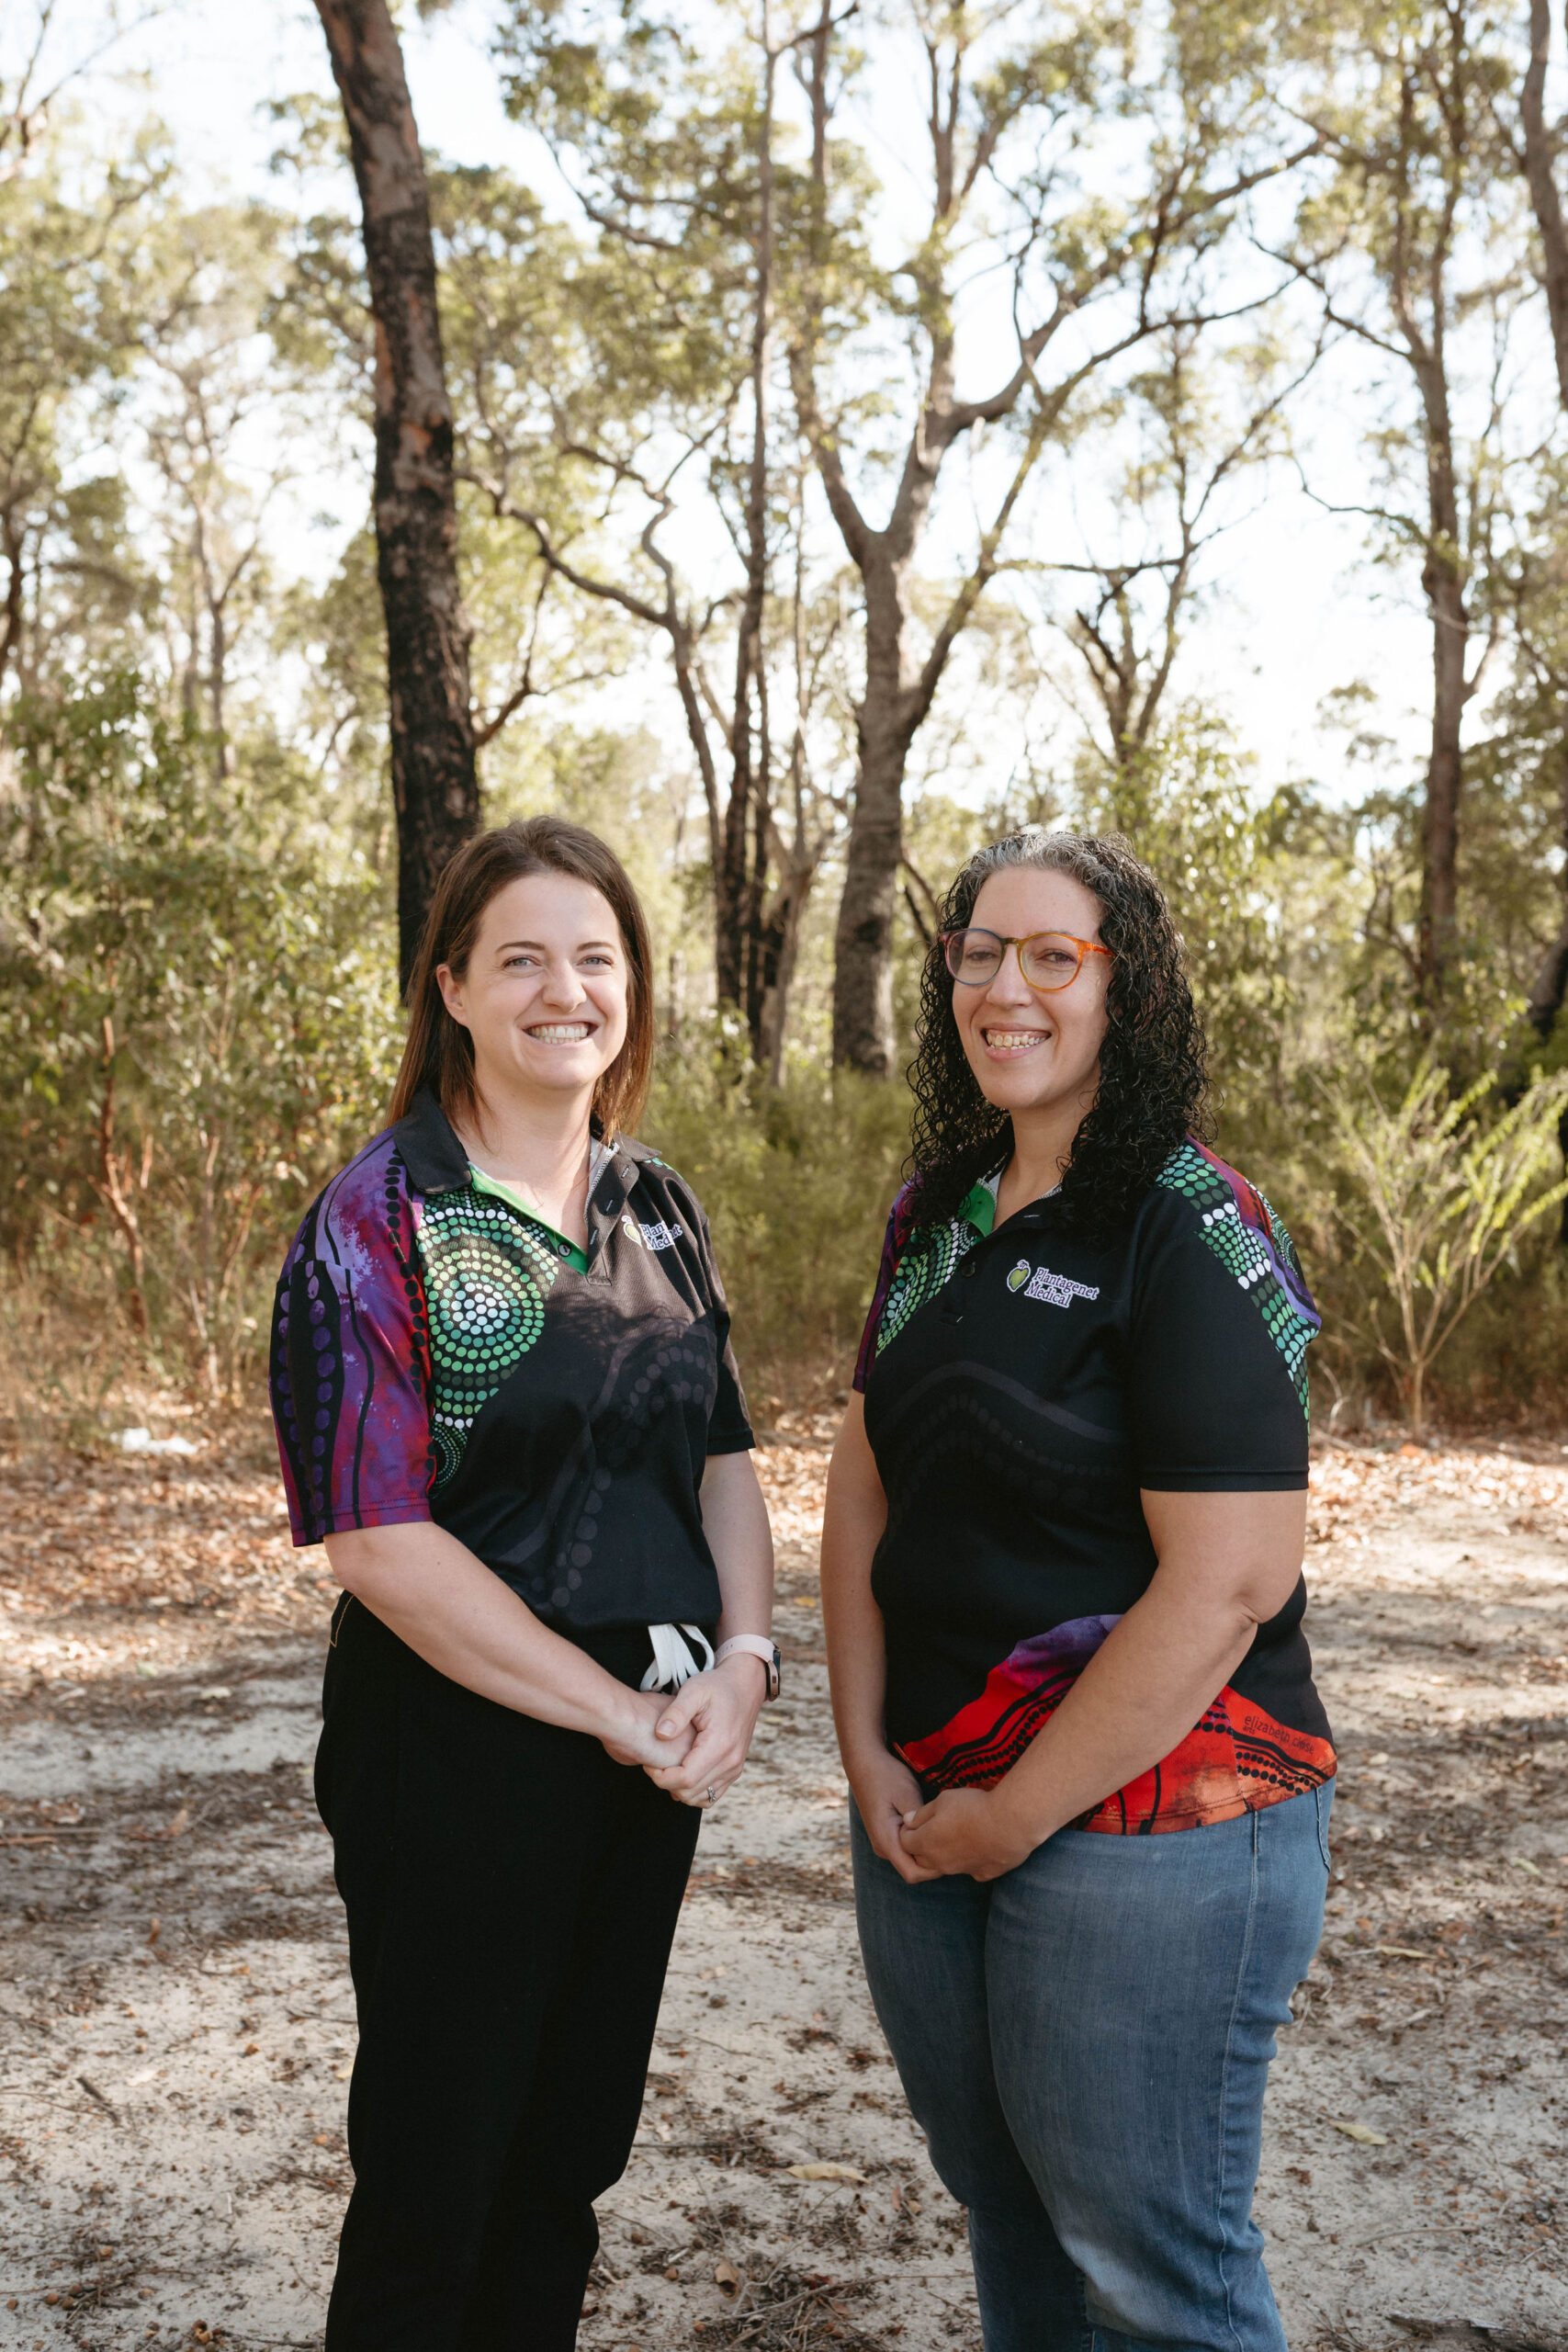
column 428, row 1144
column 437, row 1163
column 978, row 1206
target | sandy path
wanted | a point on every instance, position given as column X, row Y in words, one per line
column 175, row 2028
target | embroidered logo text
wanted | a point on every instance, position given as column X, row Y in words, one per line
column 661, row 1236
column 1053, row 1290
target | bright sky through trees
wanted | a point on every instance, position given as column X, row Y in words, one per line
column 1293, row 612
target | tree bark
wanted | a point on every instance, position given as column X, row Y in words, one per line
column 1443, row 578
column 741, row 881
column 1541, row 172
column 864, row 1034
column 1550, row 983
column 1440, row 824
column 435, row 780
column 1540, row 158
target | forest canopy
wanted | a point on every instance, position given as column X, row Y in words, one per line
column 821, row 458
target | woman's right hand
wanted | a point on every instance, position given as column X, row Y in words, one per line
column 632, row 1740
column 885, row 1791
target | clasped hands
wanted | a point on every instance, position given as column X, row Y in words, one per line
column 965, row 1833
column 693, row 1746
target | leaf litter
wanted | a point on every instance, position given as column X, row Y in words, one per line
column 149, row 1958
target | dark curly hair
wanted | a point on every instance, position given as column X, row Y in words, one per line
column 1152, row 1081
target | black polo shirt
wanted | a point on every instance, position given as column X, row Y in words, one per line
column 1022, row 1386
column 440, row 1354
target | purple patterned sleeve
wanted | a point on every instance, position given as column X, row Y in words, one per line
column 350, row 1357
column 892, row 1246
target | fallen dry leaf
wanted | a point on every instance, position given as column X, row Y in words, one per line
column 1362, row 2133
column 825, row 2172
column 1402, row 1952
column 727, row 2278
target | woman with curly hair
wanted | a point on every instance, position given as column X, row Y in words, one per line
column 1061, row 1580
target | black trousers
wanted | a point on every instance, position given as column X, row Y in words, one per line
column 512, row 1899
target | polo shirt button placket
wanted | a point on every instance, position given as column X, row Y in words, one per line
column 952, row 1310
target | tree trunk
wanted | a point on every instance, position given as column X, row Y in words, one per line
column 778, row 944
column 1540, row 161
column 1443, row 578
column 863, row 1036
column 435, row 781
column 1550, row 983
column 1439, row 825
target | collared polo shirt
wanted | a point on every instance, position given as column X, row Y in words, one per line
column 1024, row 1384
column 440, row 1353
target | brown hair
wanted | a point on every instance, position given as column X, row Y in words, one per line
column 439, row 1053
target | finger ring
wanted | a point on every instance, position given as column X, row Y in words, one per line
column 709, row 1794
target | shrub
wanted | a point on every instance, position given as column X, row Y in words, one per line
column 797, row 1185
column 1435, row 1197
column 195, row 1024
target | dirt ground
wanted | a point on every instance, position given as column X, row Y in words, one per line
column 176, row 2030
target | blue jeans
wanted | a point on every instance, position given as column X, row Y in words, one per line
column 1085, row 2044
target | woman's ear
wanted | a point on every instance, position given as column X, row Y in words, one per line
column 451, row 993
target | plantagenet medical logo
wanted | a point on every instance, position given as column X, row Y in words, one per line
column 1051, row 1290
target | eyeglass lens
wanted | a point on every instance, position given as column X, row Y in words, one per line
column 1049, row 960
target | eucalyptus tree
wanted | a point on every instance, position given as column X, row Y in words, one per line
column 660, row 409
column 1539, row 141
column 1196, row 433
column 435, row 779
column 1099, row 163
column 211, row 381
column 1411, row 236
column 68, row 337
column 1018, row 120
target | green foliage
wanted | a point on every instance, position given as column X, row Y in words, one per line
column 195, row 1024
column 1435, row 1192
column 1184, row 804
column 796, row 1184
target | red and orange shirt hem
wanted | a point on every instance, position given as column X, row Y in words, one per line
column 1025, row 1384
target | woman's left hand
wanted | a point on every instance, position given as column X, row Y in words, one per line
column 720, row 1708
column 965, row 1834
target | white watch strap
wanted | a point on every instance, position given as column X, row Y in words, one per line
column 753, row 1645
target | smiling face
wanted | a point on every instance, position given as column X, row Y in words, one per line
column 546, row 994
column 1035, row 1056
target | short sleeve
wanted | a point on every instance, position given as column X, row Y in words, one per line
column 349, row 1362
column 892, row 1250
column 1221, row 1321
column 730, row 1423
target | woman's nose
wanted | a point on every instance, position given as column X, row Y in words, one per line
column 563, row 984
column 1007, row 984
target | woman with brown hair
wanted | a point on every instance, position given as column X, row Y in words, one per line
column 506, row 1402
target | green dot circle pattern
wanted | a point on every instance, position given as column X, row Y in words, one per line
column 928, row 1257
column 487, row 1277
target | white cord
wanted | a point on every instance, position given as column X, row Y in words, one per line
column 672, row 1661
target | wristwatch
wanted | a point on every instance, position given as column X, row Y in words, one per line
column 753, row 1645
